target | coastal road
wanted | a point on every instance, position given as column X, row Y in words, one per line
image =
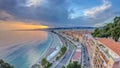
column 85, row 56
column 66, row 57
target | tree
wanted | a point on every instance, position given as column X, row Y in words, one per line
column 1, row 61
column 63, row 66
column 63, row 49
column 5, row 65
column 97, row 33
column 116, row 33
column 110, row 30
column 44, row 62
column 117, row 20
column 48, row 65
column 73, row 65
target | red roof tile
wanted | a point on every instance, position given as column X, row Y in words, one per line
column 76, row 55
column 115, row 46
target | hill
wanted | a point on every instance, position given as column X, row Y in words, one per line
column 110, row 30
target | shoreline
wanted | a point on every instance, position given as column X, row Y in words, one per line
column 54, row 47
column 51, row 45
column 42, row 55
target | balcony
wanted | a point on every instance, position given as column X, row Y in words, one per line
column 117, row 59
column 104, row 52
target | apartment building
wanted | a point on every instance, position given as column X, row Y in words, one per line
column 107, row 54
column 103, row 52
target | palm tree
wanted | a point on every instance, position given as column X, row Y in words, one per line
column 1, row 61
column 116, row 33
column 44, row 62
column 117, row 20
column 73, row 65
column 5, row 65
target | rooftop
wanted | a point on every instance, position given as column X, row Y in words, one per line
column 76, row 56
column 115, row 46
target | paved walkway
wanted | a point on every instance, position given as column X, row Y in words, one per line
column 67, row 56
column 51, row 48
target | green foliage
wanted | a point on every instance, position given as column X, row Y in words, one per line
column 38, row 66
column 117, row 20
column 110, row 30
column 44, row 62
column 1, row 61
column 116, row 33
column 63, row 50
column 48, row 65
column 73, row 65
column 58, row 57
column 97, row 33
column 63, row 66
column 5, row 65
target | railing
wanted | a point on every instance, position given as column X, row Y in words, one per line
column 104, row 52
column 117, row 59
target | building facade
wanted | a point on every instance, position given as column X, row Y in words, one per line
column 103, row 52
column 107, row 53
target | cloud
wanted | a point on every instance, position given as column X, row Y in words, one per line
column 96, row 16
column 17, row 25
column 92, row 12
column 99, row 20
column 5, row 16
column 99, row 24
column 57, row 13
column 34, row 3
column 51, row 13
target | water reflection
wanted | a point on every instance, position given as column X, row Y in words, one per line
column 22, row 48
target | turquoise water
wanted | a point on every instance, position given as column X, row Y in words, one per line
column 27, row 52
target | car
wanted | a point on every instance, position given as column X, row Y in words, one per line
column 84, row 64
column 84, row 56
column 64, row 57
column 88, row 59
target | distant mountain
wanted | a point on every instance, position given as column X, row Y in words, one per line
column 67, row 28
column 59, row 28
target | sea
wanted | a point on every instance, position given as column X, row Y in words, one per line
column 23, row 48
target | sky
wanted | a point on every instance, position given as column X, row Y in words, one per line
column 59, row 13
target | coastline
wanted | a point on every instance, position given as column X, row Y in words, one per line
column 50, row 48
column 42, row 55
column 54, row 48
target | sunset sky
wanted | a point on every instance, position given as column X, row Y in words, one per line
column 58, row 13
column 14, row 25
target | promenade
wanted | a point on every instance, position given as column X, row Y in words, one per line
column 54, row 47
column 65, row 59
